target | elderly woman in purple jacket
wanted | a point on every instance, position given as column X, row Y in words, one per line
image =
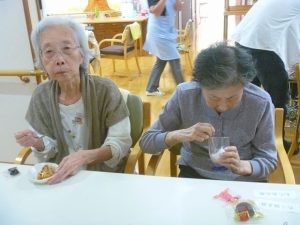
column 220, row 101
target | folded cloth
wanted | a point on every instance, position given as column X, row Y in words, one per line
column 135, row 30
column 124, row 93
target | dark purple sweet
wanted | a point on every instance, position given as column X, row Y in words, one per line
column 13, row 171
column 244, row 211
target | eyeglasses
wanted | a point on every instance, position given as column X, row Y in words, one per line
column 49, row 52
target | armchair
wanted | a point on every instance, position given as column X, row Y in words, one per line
column 284, row 172
column 122, row 46
column 293, row 151
column 185, row 42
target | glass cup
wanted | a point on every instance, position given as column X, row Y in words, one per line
column 216, row 147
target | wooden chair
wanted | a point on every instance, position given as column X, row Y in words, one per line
column 235, row 10
column 122, row 46
column 185, row 42
column 297, row 79
column 293, row 156
column 283, row 173
column 139, row 119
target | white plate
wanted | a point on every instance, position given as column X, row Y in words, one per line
column 34, row 170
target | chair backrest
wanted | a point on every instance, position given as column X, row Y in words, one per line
column 131, row 33
column 135, row 107
column 126, row 35
column 297, row 76
column 139, row 120
column 135, row 30
column 185, row 40
column 294, row 145
column 188, row 28
column 283, row 173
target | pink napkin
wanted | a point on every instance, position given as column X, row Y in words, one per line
column 225, row 196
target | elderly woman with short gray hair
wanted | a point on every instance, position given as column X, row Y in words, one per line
column 220, row 101
column 77, row 120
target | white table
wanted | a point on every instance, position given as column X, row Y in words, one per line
column 96, row 198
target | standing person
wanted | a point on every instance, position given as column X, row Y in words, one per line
column 270, row 31
column 220, row 101
column 161, row 41
column 77, row 120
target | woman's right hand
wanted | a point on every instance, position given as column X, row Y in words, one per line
column 29, row 138
column 198, row 132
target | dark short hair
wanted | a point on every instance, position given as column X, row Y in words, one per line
column 222, row 65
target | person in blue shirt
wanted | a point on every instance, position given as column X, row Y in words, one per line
column 161, row 41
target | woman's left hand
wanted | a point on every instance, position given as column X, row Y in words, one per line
column 231, row 159
column 69, row 166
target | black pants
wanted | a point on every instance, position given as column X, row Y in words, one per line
column 271, row 74
column 158, row 68
column 188, row 172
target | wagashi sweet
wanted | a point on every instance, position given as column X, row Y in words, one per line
column 46, row 172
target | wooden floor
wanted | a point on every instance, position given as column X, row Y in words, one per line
column 137, row 86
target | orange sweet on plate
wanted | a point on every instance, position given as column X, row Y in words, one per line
column 46, row 172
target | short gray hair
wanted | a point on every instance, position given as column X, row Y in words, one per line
column 79, row 33
column 221, row 65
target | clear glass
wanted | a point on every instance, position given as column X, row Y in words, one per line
column 216, row 147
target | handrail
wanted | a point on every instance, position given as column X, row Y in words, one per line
column 20, row 73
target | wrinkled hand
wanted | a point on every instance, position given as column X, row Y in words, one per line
column 69, row 166
column 231, row 159
column 26, row 138
column 198, row 132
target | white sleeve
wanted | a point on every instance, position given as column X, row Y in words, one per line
column 119, row 139
column 49, row 151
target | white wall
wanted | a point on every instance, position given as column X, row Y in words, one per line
column 14, row 99
column 209, row 22
column 15, row 54
column 15, row 51
column 33, row 12
column 63, row 6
